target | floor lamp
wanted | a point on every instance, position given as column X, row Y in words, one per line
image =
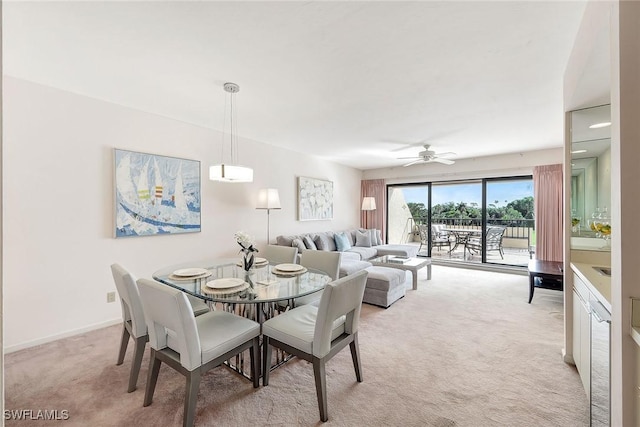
column 268, row 198
column 368, row 204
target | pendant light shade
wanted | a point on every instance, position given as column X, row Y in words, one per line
column 231, row 172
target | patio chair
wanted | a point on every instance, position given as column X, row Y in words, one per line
column 439, row 237
column 493, row 237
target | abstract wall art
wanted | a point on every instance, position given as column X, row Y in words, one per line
column 315, row 199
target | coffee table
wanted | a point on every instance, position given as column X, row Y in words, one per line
column 410, row 264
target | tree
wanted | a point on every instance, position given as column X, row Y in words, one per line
column 524, row 206
column 418, row 211
column 517, row 209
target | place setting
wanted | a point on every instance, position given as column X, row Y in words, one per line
column 226, row 285
column 288, row 270
column 257, row 262
column 190, row 274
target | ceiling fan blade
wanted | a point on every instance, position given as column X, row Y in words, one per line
column 405, row 145
column 443, row 161
column 408, row 158
column 412, row 163
column 448, row 153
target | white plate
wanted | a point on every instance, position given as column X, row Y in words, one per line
column 260, row 261
column 188, row 272
column 289, row 268
column 225, row 283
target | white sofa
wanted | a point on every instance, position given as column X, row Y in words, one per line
column 359, row 250
column 385, row 285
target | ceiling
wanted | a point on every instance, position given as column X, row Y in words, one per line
column 358, row 83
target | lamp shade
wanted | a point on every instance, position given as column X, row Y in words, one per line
column 369, row 204
column 230, row 173
column 268, row 198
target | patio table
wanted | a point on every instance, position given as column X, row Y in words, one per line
column 462, row 235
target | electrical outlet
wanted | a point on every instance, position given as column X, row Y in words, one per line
column 111, row 297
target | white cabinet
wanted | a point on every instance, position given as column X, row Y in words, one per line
column 582, row 332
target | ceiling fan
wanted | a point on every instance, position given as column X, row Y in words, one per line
column 428, row 156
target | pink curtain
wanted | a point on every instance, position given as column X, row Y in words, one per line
column 547, row 191
column 374, row 219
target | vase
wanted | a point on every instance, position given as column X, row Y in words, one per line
column 247, row 261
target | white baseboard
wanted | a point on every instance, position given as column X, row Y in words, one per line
column 66, row 334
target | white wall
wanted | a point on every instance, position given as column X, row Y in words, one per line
column 481, row 167
column 625, row 205
column 58, row 205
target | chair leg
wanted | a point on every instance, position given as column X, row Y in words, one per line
column 266, row 360
column 355, row 356
column 124, row 341
column 152, row 378
column 254, row 354
column 321, row 387
column 191, row 398
column 138, row 352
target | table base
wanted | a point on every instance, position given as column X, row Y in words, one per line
column 241, row 363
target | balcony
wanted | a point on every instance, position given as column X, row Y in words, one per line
column 517, row 243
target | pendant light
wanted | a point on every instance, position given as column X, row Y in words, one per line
column 231, row 172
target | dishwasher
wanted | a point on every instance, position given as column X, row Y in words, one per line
column 600, row 363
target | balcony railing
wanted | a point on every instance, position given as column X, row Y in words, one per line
column 514, row 228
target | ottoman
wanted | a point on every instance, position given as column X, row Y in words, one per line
column 385, row 285
column 349, row 267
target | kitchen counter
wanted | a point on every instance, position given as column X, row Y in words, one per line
column 599, row 284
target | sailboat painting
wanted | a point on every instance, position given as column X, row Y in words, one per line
column 156, row 194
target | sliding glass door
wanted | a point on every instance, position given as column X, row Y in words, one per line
column 476, row 221
column 456, row 219
column 407, row 207
column 510, row 215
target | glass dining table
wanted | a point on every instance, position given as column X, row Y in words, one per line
column 259, row 294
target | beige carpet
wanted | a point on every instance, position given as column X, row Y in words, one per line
column 465, row 349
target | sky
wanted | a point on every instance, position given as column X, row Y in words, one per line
column 471, row 193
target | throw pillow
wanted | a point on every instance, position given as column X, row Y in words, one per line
column 298, row 243
column 374, row 237
column 308, row 242
column 352, row 237
column 342, row 242
column 363, row 239
column 379, row 237
column 322, row 242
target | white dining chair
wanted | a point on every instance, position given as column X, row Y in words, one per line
column 325, row 261
column 133, row 322
column 277, row 254
column 316, row 334
column 192, row 345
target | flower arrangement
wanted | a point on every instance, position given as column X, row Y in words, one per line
column 246, row 243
